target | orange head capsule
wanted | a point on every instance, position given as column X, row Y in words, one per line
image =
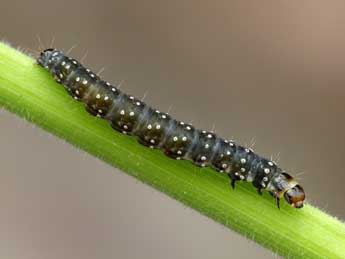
column 295, row 196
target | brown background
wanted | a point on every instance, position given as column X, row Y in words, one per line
column 268, row 70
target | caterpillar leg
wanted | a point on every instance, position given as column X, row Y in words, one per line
column 235, row 176
column 276, row 197
column 259, row 190
column 232, row 181
column 277, row 202
column 233, row 184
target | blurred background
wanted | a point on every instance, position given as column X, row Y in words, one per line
column 272, row 71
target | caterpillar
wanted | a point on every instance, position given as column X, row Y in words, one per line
column 159, row 130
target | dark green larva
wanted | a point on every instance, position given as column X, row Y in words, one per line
column 176, row 139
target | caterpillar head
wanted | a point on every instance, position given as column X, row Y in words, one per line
column 295, row 196
column 47, row 57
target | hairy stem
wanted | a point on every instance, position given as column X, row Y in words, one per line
column 30, row 92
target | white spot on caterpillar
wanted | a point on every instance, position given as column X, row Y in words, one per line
column 158, row 126
column 106, row 98
column 249, row 177
column 131, row 114
column 243, row 160
column 122, row 112
column 184, row 139
column 203, row 158
column 175, row 138
column 84, row 81
column 149, row 126
column 98, row 96
column 267, row 170
column 77, row 79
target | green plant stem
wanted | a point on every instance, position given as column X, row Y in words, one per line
column 29, row 91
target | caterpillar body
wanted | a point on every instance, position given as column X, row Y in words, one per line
column 175, row 138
